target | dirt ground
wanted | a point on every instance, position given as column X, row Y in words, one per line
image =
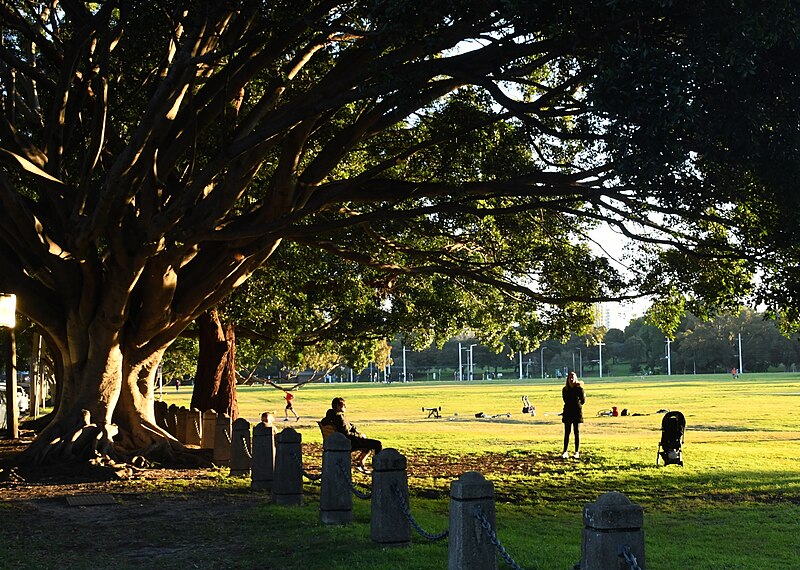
column 48, row 487
column 36, row 509
column 39, row 501
column 63, row 479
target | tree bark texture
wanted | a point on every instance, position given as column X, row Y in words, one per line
column 215, row 379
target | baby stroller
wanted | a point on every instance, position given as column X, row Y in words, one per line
column 673, row 424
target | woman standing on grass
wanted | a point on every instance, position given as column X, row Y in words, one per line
column 574, row 398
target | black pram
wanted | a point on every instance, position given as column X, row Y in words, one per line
column 673, row 425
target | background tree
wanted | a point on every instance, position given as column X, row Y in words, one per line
column 449, row 154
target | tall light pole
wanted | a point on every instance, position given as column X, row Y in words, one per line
column 460, row 365
column 669, row 359
column 471, row 362
column 580, row 363
column 405, row 378
column 8, row 310
column 741, row 368
column 541, row 357
column 600, row 356
column 520, row 365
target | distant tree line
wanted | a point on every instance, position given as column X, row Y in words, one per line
column 700, row 347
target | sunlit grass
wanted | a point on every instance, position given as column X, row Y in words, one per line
column 733, row 505
column 741, row 439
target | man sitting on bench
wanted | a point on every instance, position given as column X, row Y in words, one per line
column 335, row 417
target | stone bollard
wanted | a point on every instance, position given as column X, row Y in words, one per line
column 241, row 456
column 263, row 456
column 172, row 420
column 160, row 409
column 287, row 484
column 209, row 429
column 181, row 415
column 336, row 494
column 389, row 523
column 222, row 440
column 194, row 421
column 469, row 547
column 609, row 524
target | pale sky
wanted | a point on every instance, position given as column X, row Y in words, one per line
column 611, row 244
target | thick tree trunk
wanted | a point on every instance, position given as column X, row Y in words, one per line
column 215, row 379
column 135, row 414
column 82, row 424
column 105, row 407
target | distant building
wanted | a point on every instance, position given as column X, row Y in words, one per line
column 612, row 316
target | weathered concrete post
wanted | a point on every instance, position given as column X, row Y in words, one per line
column 172, row 420
column 209, row 429
column 161, row 409
column 469, row 546
column 181, row 415
column 263, row 456
column 222, row 440
column 194, row 431
column 287, row 485
column 609, row 524
column 336, row 495
column 241, row 456
column 389, row 523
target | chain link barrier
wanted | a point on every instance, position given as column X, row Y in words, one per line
column 356, row 492
column 247, row 450
column 407, row 511
column 492, row 535
column 630, row 559
column 310, row 476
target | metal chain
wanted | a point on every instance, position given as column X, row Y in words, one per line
column 487, row 527
column 246, row 448
column 356, row 492
column 197, row 429
column 407, row 511
column 227, row 436
column 630, row 559
column 306, row 474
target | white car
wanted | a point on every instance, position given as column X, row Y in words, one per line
column 23, row 401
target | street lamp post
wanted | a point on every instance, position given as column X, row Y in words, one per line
column 669, row 358
column 471, row 363
column 541, row 357
column 600, row 356
column 405, row 377
column 741, row 365
column 8, row 309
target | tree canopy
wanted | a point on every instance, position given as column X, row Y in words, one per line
column 417, row 166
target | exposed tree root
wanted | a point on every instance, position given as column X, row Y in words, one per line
column 106, row 446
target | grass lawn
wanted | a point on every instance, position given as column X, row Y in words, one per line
column 734, row 505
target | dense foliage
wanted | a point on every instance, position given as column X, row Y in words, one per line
column 378, row 168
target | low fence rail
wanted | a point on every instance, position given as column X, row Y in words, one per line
column 612, row 534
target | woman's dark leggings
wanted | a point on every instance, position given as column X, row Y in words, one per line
column 575, row 426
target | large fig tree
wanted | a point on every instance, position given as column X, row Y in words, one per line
column 451, row 155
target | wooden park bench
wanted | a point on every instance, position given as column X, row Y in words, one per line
column 326, row 429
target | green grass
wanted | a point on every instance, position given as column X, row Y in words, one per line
column 734, row 504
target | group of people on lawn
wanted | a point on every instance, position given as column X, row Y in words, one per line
column 572, row 416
